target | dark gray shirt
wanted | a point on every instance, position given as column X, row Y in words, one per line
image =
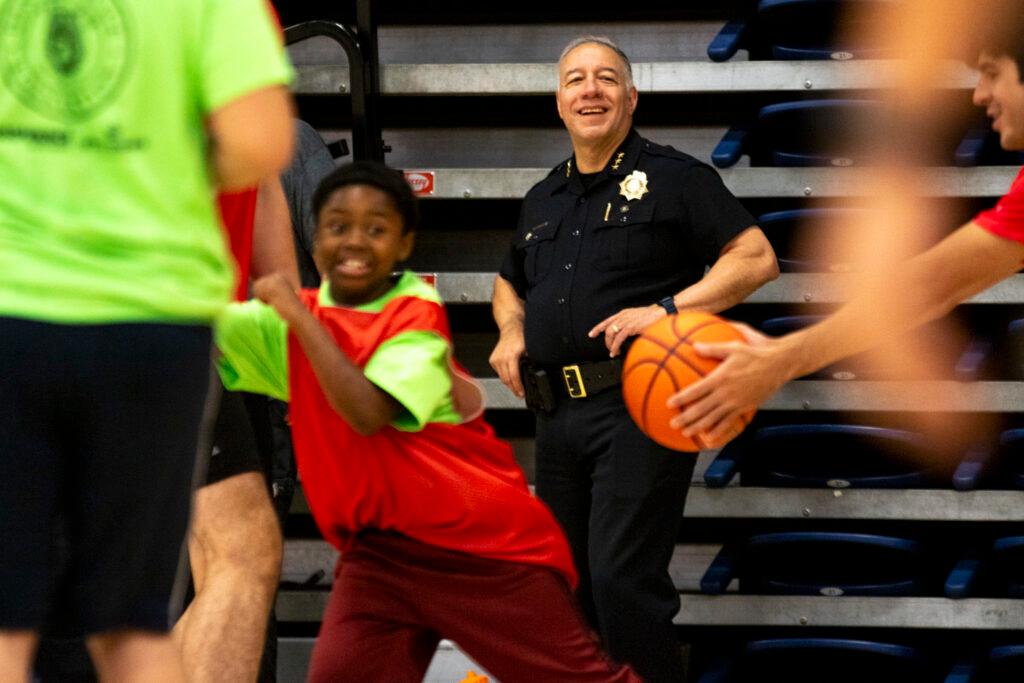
column 311, row 163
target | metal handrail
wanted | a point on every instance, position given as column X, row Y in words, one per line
column 364, row 82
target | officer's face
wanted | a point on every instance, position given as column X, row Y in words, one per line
column 359, row 239
column 1001, row 93
column 594, row 100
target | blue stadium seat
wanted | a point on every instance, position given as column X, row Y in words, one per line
column 792, row 456
column 999, row 466
column 997, row 572
column 798, row 29
column 1008, row 557
column 844, row 370
column 792, row 234
column 980, row 147
column 823, row 563
column 1005, row 663
column 835, row 660
column 983, row 357
column 802, row 133
column 994, row 356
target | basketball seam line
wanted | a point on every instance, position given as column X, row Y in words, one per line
column 661, row 366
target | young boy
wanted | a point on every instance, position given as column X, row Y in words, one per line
column 439, row 533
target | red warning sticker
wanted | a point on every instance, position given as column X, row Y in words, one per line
column 422, row 182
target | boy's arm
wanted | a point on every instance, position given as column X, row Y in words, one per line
column 362, row 404
column 926, row 287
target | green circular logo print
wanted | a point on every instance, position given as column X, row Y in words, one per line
column 64, row 59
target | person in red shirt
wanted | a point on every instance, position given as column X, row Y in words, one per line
column 439, row 534
column 976, row 256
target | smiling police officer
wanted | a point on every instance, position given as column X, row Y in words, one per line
column 613, row 239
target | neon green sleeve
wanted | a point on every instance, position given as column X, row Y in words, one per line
column 254, row 342
column 241, row 51
column 412, row 368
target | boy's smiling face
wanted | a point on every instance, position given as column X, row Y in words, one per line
column 359, row 240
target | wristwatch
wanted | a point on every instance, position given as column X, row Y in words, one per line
column 669, row 304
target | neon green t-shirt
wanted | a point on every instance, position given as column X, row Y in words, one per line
column 412, row 366
column 107, row 209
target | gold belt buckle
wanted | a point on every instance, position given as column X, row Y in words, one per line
column 574, row 381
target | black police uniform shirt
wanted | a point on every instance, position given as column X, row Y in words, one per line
column 583, row 252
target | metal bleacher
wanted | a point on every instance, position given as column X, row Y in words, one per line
column 467, row 96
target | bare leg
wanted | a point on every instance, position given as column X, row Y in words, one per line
column 235, row 550
column 131, row 656
column 16, row 650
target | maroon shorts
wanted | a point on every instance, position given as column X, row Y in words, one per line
column 394, row 598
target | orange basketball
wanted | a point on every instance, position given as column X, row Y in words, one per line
column 661, row 362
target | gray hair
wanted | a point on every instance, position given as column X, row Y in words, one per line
column 604, row 42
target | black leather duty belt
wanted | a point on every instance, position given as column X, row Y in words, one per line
column 585, row 379
column 545, row 386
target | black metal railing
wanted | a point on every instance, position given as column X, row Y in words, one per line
column 360, row 47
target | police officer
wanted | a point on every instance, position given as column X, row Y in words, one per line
column 613, row 239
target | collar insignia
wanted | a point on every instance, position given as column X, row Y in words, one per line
column 618, row 160
column 634, row 186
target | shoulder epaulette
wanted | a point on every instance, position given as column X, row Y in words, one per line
column 667, row 151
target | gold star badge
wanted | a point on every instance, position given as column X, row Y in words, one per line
column 634, row 186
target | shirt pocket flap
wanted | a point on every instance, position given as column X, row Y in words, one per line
column 541, row 232
column 626, row 214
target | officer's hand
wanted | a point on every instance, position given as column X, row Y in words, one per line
column 505, row 358
column 625, row 324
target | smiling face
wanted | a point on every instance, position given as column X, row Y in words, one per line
column 1001, row 93
column 359, row 240
column 595, row 97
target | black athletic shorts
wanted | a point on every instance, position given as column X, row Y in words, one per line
column 99, row 432
column 242, row 437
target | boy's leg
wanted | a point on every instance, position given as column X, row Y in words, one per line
column 525, row 626
column 518, row 621
column 370, row 632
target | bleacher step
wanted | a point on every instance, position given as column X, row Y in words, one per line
column 862, row 396
column 789, row 288
column 310, row 563
column 650, row 77
column 751, row 182
column 449, row 664
column 878, row 612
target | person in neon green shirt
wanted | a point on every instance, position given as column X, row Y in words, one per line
column 118, row 119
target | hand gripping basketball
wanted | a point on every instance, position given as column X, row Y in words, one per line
column 661, row 362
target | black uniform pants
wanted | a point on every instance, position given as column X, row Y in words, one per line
column 619, row 497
